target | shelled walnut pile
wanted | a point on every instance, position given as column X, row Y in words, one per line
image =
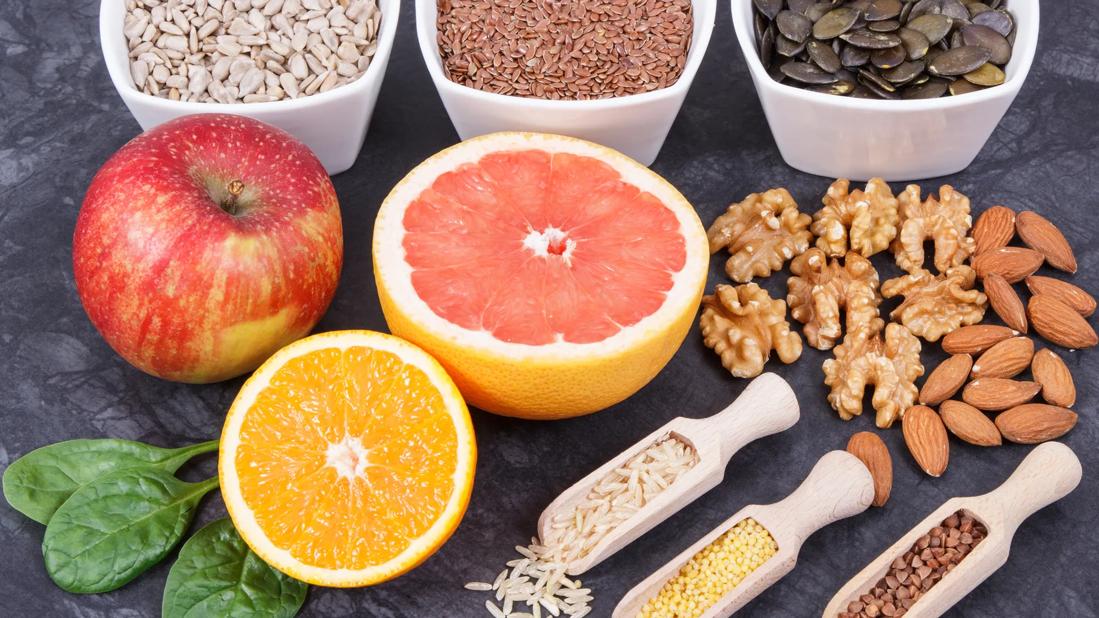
column 835, row 292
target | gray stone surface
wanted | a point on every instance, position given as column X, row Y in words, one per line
column 61, row 119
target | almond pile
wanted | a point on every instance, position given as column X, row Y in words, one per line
column 984, row 373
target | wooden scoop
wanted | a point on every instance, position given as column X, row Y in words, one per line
column 1047, row 474
column 839, row 486
column 766, row 406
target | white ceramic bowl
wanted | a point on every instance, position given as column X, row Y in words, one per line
column 333, row 124
column 635, row 125
column 842, row 137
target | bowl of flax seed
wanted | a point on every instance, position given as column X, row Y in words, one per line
column 614, row 72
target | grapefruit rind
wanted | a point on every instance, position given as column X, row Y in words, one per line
column 552, row 380
column 420, row 548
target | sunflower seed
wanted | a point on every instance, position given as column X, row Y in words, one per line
column 233, row 51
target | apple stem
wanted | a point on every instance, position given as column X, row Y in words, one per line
column 235, row 188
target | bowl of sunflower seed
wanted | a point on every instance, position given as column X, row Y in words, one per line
column 898, row 89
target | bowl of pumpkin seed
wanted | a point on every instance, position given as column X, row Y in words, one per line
column 898, row 89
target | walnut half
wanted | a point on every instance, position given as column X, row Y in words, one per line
column 743, row 324
column 935, row 305
column 945, row 220
column 863, row 220
column 820, row 288
column 761, row 232
column 892, row 365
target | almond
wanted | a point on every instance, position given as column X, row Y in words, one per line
column 1006, row 359
column 1071, row 295
column 1039, row 234
column 1053, row 374
column 976, row 338
column 1005, row 302
column 1014, row 263
column 1060, row 323
column 925, row 436
column 1032, row 423
column 999, row 393
column 969, row 424
column 993, row 229
column 873, row 453
column 946, row 379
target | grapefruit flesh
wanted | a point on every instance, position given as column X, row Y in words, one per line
column 522, row 260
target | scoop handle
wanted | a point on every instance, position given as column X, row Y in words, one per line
column 767, row 406
column 837, row 487
column 1045, row 476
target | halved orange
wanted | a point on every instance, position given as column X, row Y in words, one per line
column 347, row 458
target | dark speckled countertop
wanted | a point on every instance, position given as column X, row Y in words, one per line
column 62, row 118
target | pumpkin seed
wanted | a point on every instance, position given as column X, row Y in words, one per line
column 963, row 86
column 769, row 8
column 904, row 72
column 824, row 56
column 976, row 8
column 862, row 92
column 875, row 84
column 987, row 74
column 955, row 10
column 899, row 48
column 807, row 73
column 880, row 10
column 915, row 43
column 835, row 23
column 794, row 26
column 788, row 48
column 932, row 26
column 871, row 79
column 801, row 6
column 931, row 89
column 841, row 87
column 888, row 58
column 767, row 46
column 1000, row 21
column 852, row 56
column 958, row 61
column 871, row 40
column 818, row 10
column 888, row 25
column 994, row 42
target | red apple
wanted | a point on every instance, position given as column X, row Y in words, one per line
column 206, row 244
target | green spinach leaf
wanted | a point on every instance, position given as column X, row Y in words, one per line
column 113, row 529
column 38, row 483
column 216, row 574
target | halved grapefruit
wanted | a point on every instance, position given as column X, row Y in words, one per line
column 552, row 277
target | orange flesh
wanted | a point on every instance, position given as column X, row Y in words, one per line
column 301, row 433
column 535, row 247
